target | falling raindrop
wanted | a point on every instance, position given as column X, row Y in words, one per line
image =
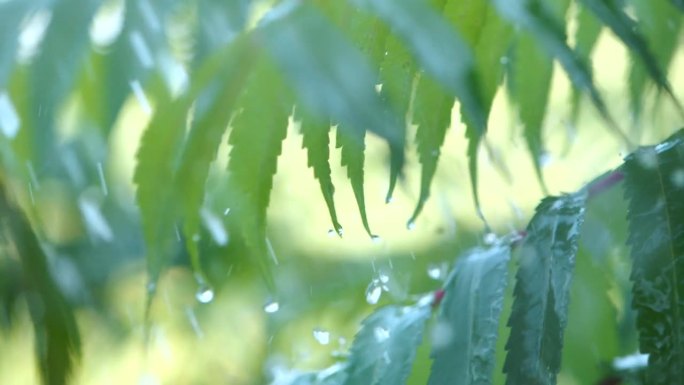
column 194, row 323
column 322, row 336
column 411, row 225
column 435, row 271
column 271, row 307
column 373, row 292
column 103, row 181
column 96, row 223
column 226, row 211
column 204, row 294
column 215, row 227
column 381, row 334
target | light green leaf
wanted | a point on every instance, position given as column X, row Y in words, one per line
column 57, row 338
column 469, row 318
column 541, row 294
column 257, row 135
column 660, row 24
column 586, row 36
column 385, row 347
column 654, row 177
column 625, row 28
column 316, row 141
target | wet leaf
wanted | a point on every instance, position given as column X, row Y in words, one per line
column 385, row 347
column 542, row 289
column 464, row 343
column 352, row 148
column 654, row 178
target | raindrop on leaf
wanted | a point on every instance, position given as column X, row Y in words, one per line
column 322, row 336
column 435, row 271
column 204, row 294
column 381, row 334
column 272, row 307
column 411, row 225
column 373, row 292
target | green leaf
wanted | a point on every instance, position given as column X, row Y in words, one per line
column 385, row 347
column 56, row 333
column 316, row 141
column 535, row 18
column 352, row 148
column 157, row 155
column 11, row 15
column 530, row 87
column 469, row 318
column 539, row 315
column 659, row 23
column 586, row 36
column 626, row 29
column 256, row 137
column 654, row 177
column 213, row 110
column 318, row 62
column 432, row 113
column 678, row 3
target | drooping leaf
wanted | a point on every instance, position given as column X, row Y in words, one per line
column 530, row 85
column 257, row 135
column 218, row 22
column 57, row 338
column 385, row 347
column 316, row 141
column 660, row 24
column 469, row 318
column 586, row 36
column 539, row 315
column 535, row 18
column 654, row 178
column 626, row 29
column 352, row 148
column 432, row 113
column 319, row 62
column 212, row 113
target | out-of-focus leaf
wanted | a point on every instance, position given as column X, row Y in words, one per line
column 10, row 288
column 679, row 4
column 464, row 351
column 385, row 347
column 11, row 15
column 318, row 62
column 654, row 178
column 626, row 29
column 256, row 137
column 218, row 22
column 352, row 148
column 530, row 84
column 535, row 18
column 57, row 338
column 659, row 24
column 586, row 36
column 316, row 141
column 432, row 113
column 212, row 113
column 539, row 315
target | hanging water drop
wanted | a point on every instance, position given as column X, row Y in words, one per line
column 435, row 271
column 373, row 292
column 331, row 233
column 411, row 225
column 204, row 294
column 322, row 336
column 272, row 307
column 376, row 239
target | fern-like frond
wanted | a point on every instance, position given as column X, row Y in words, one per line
column 539, row 315
column 464, row 346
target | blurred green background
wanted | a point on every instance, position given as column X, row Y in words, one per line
column 75, row 182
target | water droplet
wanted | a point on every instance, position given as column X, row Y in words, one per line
column 322, row 336
column 272, row 307
column 141, row 49
column 331, row 233
column 96, row 223
column 384, row 278
column 489, row 238
column 435, row 271
column 9, row 120
column 373, row 292
column 340, row 231
column 376, row 239
column 215, row 227
column 411, row 225
column 194, row 323
column 226, row 211
column 677, row 178
column 381, row 334
column 204, row 294
column 545, row 159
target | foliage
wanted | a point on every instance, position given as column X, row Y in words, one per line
column 246, row 71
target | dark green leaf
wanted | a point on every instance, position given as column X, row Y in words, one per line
column 660, row 25
column 654, row 178
column 539, row 315
column 469, row 318
column 679, row 4
column 316, row 141
column 352, row 148
column 57, row 338
column 385, row 347
column 626, row 29
column 256, row 137
column 586, row 36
